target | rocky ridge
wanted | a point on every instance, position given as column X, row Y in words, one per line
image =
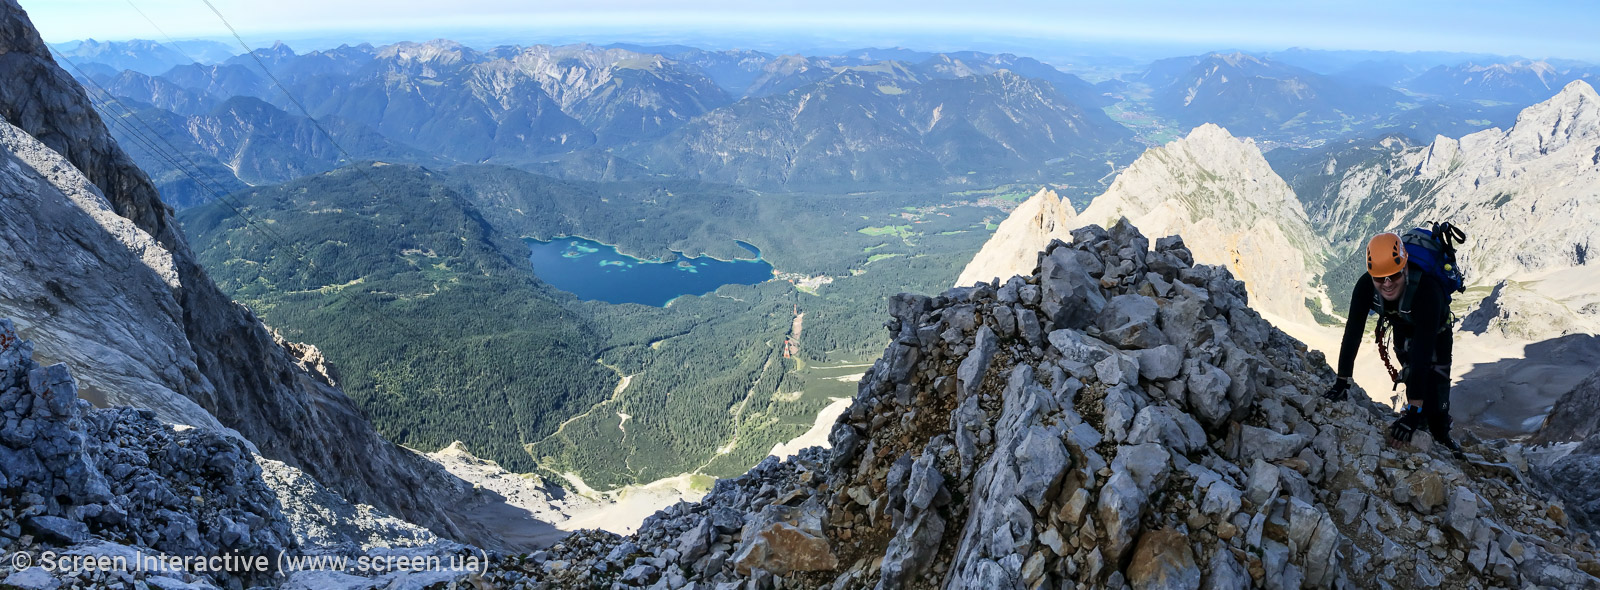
column 1523, row 195
column 1119, row 419
column 1209, row 186
column 1043, row 217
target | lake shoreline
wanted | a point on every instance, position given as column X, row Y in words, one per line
column 595, row 271
column 752, row 248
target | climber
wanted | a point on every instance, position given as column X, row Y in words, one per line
column 1417, row 305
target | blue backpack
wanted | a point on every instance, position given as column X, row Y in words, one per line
column 1434, row 251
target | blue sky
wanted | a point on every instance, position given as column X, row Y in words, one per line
column 1531, row 29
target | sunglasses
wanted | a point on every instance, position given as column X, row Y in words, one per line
column 1394, row 278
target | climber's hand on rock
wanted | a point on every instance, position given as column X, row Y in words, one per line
column 1339, row 392
column 1406, row 426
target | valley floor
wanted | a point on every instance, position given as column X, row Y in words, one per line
column 533, row 514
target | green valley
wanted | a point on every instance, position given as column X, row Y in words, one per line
column 415, row 283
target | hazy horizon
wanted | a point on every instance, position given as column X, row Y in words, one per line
column 1142, row 30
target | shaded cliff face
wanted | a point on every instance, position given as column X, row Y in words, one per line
column 1119, row 418
column 97, row 291
column 222, row 359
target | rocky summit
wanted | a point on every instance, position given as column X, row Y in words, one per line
column 1120, row 419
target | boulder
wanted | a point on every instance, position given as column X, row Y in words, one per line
column 969, row 375
column 1168, row 426
column 1121, row 506
column 1148, row 464
column 1129, row 321
column 696, row 542
column 1266, row 444
column 1163, row 561
column 1461, row 518
column 1263, row 483
column 1221, row 501
column 56, row 530
column 1161, row 362
column 1077, row 347
column 783, row 540
column 1207, row 388
column 1070, row 298
column 1028, row 327
column 1423, row 489
column 1225, row 573
column 33, row 578
column 1041, row 460
column 1005, row 321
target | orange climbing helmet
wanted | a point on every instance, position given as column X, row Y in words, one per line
column 1386, row 255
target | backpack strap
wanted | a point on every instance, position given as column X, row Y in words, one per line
column 1407, row 297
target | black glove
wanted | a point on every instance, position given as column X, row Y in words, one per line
column 1404, row 428
column 1339, row 392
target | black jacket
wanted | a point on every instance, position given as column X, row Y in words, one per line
column 1419, row 333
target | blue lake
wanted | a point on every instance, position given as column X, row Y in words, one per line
column 594, row 271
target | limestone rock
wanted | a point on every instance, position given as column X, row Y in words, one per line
column 99, row 272
column 1122, row 504
column 1163, row 561
column 1161, row 362
column 782, row 540
column 1129, row 321
column 1010, row 251
column 1070, row 297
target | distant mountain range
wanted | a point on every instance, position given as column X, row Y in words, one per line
column 865, row 119
column 1521, row 82
column 1251, row 96
column 144, row 56
column 889, row 124
column 583, row 111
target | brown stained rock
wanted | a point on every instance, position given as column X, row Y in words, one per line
column 1557, row 514
column 1424, row 489
column 783, row 549
column 1163, row 561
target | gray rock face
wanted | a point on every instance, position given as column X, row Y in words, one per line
column 1070, row 297
column 1267, row 444
column 103, row 279
column 1129, row 321
column 1163, row 561
column 1263, row 483
column 1576, row 416
column 1208, row 392
column 970, row 374
column 910, row 552
column 1159, row 363
column 1168, row 426
column 1122, row 504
